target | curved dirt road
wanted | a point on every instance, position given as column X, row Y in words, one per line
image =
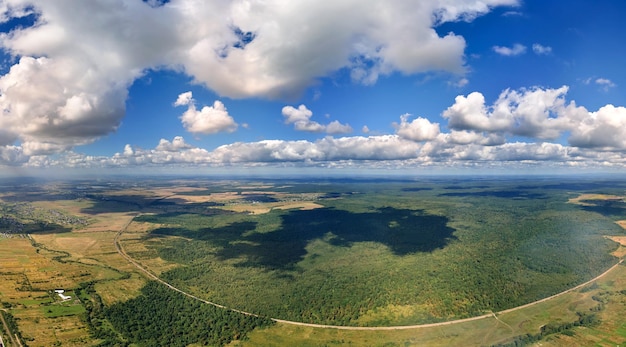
column 123, row 253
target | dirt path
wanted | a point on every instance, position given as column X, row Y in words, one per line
column 123, row 253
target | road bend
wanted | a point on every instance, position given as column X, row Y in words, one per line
column 149, row 274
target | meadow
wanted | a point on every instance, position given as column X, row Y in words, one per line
column 360, row 253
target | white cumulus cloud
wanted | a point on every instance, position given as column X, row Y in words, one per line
column 535, row 113
column 542, row 114
column 301, row 119
column 208, row 120
column 605, row 128
column 335, row 128
column 420, row 129
column 541, row 49
column 516, row 49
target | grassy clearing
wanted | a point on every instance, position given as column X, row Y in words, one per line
column 63, row 309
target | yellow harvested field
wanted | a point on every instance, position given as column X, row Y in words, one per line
column 28, row 275
column 62, row 331
column 175, row 190
column 108, row 222
column 79, row 246
column 621, row 251
column 619, row 239
column 261, row 208
column 580, row 199
column 73, row 207
column 301, row 205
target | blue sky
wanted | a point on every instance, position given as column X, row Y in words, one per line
column 410, row 87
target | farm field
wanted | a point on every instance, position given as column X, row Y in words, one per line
column 350, row 253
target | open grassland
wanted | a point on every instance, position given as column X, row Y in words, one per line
column 341, row 253
column 29, row 276
column 63, row 255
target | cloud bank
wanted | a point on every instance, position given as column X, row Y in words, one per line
column 489, row 135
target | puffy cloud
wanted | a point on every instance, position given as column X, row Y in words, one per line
column 373, row 40
column 541, row 50
column 300, row 115
column 536, row 113
column 470, row 113
column 516, row 49
column 334, row 128
column 70, row 83
column 59, row 103
column 300, row 118
column 540, row 114
column 184, row 99
column 128, row 150
column 209, row 120
column 605, row 128
column 420, row 129
column 177, row 144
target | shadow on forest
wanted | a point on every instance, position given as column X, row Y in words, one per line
column 132, row 203
column 403, row 231
column 510, row 194
column 576, row 186
column 416, row 189
column 44, row 228
column 608, row 208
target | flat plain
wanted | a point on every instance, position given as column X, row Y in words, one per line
column 351, row 253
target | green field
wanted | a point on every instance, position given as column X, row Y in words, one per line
column 355, row 253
